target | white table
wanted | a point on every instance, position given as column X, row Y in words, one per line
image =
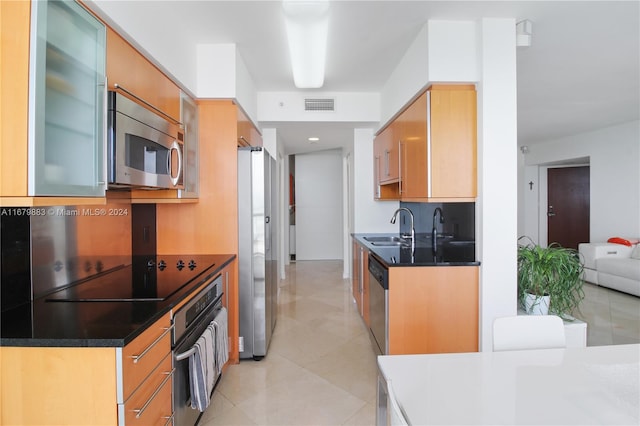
column 580, row 386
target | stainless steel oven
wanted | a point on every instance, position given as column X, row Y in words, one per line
column 379, row 305
column 144, row 148
column 189, row 322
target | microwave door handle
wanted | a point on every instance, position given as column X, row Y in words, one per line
column 176, row 146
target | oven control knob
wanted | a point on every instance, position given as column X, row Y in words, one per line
column 180, row 265
column 192, row 264
column 161, row 265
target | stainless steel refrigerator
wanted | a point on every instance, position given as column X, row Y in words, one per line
column 257, row 253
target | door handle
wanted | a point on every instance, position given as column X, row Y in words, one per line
column 550, row 212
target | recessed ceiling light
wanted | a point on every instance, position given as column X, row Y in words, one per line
column 314, row 139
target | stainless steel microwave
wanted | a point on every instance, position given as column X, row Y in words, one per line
column 145, row 150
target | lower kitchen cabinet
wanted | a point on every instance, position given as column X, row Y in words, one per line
column 144, row 369
column 90, row 386
column 230, row 301
column 54, row 385
column 433, row 309
column 360, row 280
column 150, row 403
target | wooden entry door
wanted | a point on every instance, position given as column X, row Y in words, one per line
column 568, row 206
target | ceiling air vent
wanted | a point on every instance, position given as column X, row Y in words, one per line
column 316, row 104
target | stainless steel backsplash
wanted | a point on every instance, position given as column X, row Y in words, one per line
column 67, row 244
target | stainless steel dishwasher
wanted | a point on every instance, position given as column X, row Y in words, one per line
column 379, row 305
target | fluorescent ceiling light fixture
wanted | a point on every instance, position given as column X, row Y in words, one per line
column 313, row 139
column 307, row 24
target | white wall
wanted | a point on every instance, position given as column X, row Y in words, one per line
column 456, row 60
column 368, row 215
column 318, row 183
column 614, row 159
column 407, row 78
column 216, row 71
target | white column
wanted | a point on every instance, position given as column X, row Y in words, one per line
column 497, row 211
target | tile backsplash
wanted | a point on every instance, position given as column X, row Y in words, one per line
column 459, row 219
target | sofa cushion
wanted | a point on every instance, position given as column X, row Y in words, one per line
column 618, row 240
column 628, row 268
column 592, row 253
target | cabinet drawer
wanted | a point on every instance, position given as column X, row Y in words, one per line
column 150, row 404
column 141, row 356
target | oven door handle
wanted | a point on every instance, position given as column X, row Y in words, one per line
column 186, row 354
column 137, row 358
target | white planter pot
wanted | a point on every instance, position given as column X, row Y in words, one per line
column 536, row 305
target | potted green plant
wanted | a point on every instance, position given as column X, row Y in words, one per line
column 549, row 279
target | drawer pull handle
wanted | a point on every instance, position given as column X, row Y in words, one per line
column 169, row 419
column 137, row 358
column 140, row 411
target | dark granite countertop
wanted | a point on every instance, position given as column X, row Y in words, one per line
column 450, row 251
column 44, row 323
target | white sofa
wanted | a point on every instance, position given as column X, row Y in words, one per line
column 615, row 266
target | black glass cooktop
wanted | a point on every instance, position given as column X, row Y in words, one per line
column 146, row 278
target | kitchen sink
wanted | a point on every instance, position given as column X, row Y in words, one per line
column 460, row 243
column 374, row 240
column 388, row 241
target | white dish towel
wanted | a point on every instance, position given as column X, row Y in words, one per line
column 202, row 369
column 220, row 323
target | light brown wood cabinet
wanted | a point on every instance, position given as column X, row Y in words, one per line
column 211, row 224
column 230, row 301
column 146, row 379
column 248, row 134
column 360, row 280
column 386, row 162
column 96, row 386
column 433, row 309
column 437, row 135
column 15, row 21
column 125, row 66
column 128, row 68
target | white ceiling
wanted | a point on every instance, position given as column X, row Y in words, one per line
column 582, row 71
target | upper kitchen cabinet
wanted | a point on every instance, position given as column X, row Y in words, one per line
column 131, row 74
column 414, row 170
column 189, row 117
column 451, row 142
column 53, row 104
column 130, row 70
column 436, row 139
column 248, row 134
column 386, row 148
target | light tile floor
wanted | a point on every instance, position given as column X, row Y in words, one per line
column 612, row 317
column 320, row 368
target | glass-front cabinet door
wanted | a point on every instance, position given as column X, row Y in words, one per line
column 67, row 96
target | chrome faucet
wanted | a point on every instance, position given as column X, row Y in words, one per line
column 434, row 231
column 413, row 229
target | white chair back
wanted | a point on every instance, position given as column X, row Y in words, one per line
column 528, row 332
